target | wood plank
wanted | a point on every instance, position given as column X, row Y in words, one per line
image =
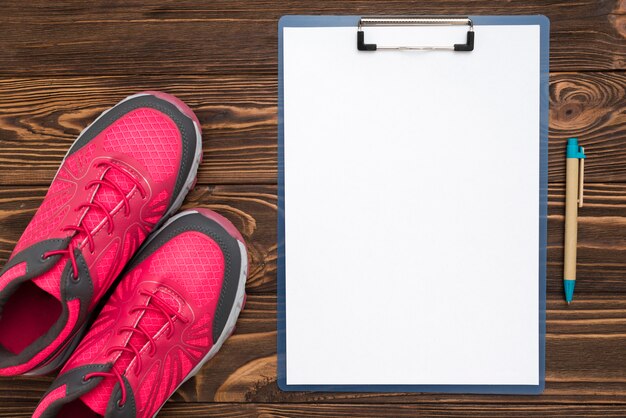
column 253, row 410
column 253, row 209
column 601, row 238
column 40, row 118
column 379, row 410
column 585, row 343
column 222, row 37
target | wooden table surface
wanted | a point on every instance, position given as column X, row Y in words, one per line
column 63, row 62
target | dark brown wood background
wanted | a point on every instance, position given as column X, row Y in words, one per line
column 63, row 62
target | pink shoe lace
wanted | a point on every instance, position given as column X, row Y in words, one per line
column 159, row 306
column 97, row 205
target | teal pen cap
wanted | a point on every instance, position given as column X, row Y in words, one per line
column 569, row 290
column 573, row 150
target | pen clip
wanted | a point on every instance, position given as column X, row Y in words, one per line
column 581, row 178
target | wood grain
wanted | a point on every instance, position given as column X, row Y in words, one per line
column 223, row 37
column 64, row 62
column 601, row 238
column 253, row 209
column 585, row 345
column 593, row 108
column 40, row 118
column 243, row 410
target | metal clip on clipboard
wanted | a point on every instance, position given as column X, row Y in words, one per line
column 415, row 21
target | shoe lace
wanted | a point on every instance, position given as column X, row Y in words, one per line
column 77, row 229
column 155, row 304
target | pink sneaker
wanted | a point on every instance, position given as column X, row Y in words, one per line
column 125, row 173
column 176, row 304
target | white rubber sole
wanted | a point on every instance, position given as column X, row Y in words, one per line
column 65, row 354
column 229, row 328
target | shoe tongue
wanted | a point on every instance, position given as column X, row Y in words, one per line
column 152, row 322
column 109, row 198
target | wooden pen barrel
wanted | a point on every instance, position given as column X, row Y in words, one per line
column 571, row 218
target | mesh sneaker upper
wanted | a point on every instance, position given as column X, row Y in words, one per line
column 109, row 193
column 187, row 274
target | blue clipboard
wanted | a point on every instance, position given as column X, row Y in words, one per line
column 353, row 21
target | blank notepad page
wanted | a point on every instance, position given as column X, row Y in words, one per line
column 412, row 208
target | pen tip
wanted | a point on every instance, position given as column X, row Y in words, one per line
column 569, row 290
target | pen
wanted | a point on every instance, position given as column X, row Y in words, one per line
column 574, row 177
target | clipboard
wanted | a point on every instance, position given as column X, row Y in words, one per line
column 303, row 359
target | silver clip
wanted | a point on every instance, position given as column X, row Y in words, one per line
column 415, row 21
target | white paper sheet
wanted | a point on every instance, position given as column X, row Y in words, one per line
column 412, row 207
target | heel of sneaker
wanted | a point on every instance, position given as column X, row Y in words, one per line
column 223, row 222
column 182, row 106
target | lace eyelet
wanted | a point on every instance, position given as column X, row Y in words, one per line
column 119, row 404
column 86, row 380
column 43, row 257
column 76, row 278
